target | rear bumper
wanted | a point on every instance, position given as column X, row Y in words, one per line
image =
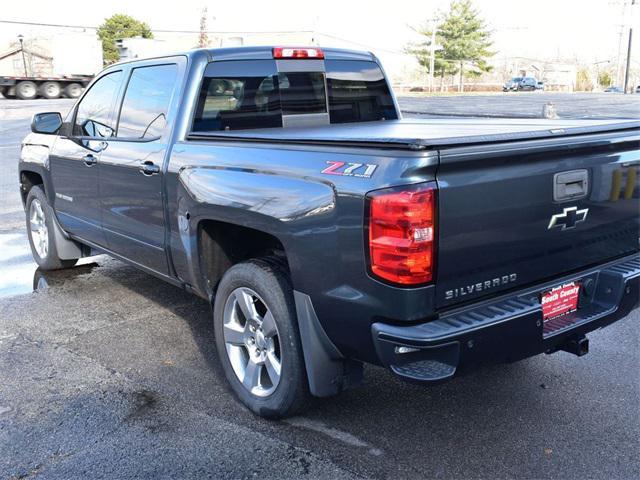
column 509, row 328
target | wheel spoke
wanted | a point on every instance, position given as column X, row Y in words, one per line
column 251, row 375
column 273, row 367
column 245, row 302
column 233, row 335
column 269, row 325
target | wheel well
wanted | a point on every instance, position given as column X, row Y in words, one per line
column 27, row 181
column 221, row 245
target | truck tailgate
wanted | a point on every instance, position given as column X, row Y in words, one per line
column 519, row 213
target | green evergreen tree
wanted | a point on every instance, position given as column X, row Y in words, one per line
column 464, row 42
column 116, row 27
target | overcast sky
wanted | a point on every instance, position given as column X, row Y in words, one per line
column 586, row 29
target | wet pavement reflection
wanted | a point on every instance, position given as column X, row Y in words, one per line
column 16, row 264
column 43, row 279
column 19, row 273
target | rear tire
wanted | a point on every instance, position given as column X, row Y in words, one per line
column 73, row 90
column 260, row 352
column 50, row 90
column 6, row 94
column 40, row 230
column 26, row 90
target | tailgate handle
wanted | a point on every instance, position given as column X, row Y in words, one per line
column 570, row 185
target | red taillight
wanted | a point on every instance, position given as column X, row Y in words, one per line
column 402, row 234
column 298, row 52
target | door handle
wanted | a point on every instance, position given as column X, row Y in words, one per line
column 89, row 160
column 570, row 185
column 149, row 168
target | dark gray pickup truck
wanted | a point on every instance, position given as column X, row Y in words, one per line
column 282, row 185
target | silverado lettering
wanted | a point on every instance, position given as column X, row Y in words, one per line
column 480, row 286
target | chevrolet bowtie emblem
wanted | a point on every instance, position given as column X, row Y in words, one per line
column 569, row 218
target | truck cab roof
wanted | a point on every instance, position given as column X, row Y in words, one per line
column 257, row 53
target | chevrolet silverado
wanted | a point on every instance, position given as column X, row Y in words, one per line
column 283, row 186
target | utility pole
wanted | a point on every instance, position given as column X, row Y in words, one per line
column 622, row 13
column 432, row 60
column 626, row 72
column 24, row 60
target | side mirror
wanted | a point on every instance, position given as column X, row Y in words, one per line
column 47, row 123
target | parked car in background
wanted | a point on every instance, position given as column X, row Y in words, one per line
column 540, row 86
column 517, row 84
column 613, row 89
column 283, row 186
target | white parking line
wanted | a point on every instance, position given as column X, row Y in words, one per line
column 344, row 437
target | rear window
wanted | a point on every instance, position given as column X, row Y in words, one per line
column 238, row 95
column 358, row 92
column 302, row 92
column 235, row 103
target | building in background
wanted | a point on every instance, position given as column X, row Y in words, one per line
column 57, row 55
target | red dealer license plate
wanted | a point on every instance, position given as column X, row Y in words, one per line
column 560, row 300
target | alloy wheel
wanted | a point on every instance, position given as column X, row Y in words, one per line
column 252, row 342
column 38, row 227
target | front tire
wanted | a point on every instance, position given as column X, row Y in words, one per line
column 257, row 338
column 40, row 230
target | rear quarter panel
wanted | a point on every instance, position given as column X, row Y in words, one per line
column 317, row 217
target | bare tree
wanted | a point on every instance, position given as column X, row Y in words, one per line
column 203, row 40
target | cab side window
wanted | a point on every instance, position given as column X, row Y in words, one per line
column 93, row 116
column 146, row 101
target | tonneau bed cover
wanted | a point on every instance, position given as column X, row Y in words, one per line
column 425, row 133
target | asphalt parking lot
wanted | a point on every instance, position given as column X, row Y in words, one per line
column 106, row 372
column 525, row 105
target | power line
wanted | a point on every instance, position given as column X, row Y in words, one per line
column 361, row 44
column 35, row 24
column 213, row 32
column 157, row 30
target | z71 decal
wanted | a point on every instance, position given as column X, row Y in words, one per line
column 362, row 170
